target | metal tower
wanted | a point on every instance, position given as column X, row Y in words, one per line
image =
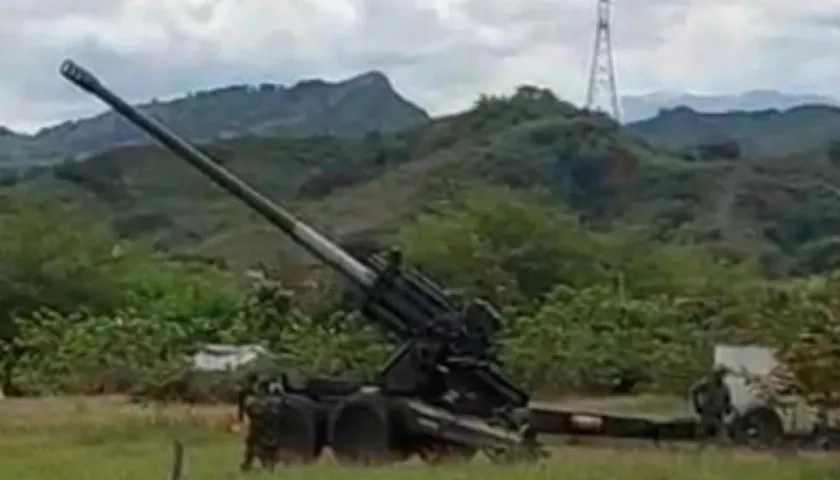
column 602, row 70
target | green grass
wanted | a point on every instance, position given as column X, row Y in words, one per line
column 71, row 439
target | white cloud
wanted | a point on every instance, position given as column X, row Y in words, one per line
column 439, row 53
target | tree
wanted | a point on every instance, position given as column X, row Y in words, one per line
column 53, row 256
column 501, row 245
column 512, row 247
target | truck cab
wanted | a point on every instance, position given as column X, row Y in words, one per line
column 768, row 405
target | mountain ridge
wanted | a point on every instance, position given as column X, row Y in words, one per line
column 771, row 131
column 645, row 106
column 368, row 101
column 355, row 105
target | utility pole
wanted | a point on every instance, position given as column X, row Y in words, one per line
column 602, row 69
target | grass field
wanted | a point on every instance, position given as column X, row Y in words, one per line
column 106, row 438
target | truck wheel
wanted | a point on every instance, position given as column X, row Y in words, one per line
column 297, row 430
column 828, row 441
column 759, row 428
column 360, row 430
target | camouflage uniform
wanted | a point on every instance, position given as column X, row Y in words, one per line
column 712, row 401
column 252, row 400
column 246, row 391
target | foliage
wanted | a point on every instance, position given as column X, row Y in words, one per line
column 594, row 340
column 604, row 311
column 499, row 246
column 145, row 346
column 54, row 257
column 46, row 246
column 607, row 255
column 512, row 247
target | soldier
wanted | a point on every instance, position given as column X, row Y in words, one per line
column 712, row 401
column 252, row 398
column 246, row 391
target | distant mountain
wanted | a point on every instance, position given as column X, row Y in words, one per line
column 355, row 106
column 768, row 132
column 17, row 147
column 646, row 106
column 11, row 141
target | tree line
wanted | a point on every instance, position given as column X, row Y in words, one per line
column 610, row 310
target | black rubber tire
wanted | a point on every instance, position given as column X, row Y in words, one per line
column 759, row 428
column 361, row 430
column 297, row 426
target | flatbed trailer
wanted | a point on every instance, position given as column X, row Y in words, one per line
column 558, row 420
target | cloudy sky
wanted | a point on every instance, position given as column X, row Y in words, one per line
column 439, row 53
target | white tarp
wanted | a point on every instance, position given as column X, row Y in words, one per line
column 220, row 358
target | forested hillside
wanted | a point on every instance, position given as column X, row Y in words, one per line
column 779, row 210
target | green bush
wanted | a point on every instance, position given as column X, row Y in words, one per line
column 593, row 340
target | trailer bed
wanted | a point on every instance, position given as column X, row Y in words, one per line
column 560, row 420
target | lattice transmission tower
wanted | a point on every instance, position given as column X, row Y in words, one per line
column 602, row 69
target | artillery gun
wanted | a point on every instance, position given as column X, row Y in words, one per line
column 441, row 392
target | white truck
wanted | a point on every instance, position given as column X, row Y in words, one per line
column 768, row 405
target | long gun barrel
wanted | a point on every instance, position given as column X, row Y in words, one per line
column 444, row 348
column 301, row 233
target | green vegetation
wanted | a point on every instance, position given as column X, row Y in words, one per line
column 618, row 266
column 601, row 311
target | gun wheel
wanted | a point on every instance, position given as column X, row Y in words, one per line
column 297, row 431
column 361, row 431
